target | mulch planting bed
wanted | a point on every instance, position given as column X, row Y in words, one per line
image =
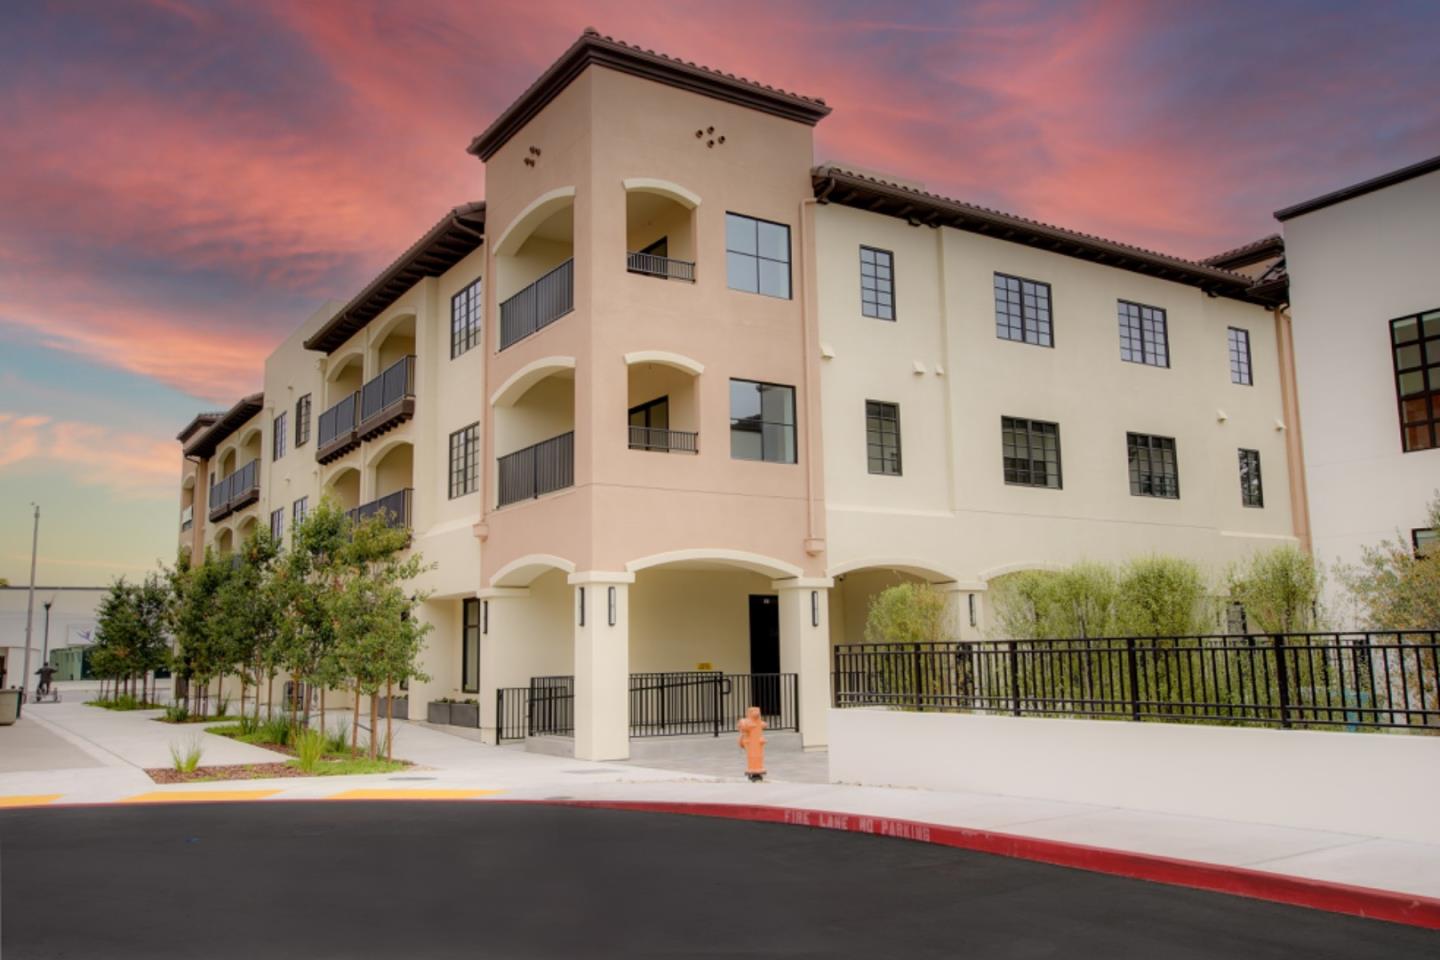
column 233, row 771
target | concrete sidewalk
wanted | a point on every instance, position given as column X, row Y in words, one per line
column 455, row 767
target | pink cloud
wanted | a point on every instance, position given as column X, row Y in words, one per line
column 131, row 464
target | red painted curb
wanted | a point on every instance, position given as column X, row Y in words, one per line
column 1367, row 902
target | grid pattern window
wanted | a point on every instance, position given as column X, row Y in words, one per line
column 877, row 283
column 757, row 256
column 302, row 420
column 298, row 510
column 1426, row 541
column 762, row 421
column 1153, row 470
column 277, row 437
column 277, row 524
column 465, row 311
column 882, row 437
column 1240, row 356
column 464, row 460
column 1415, row 343
column 1143, row 337
column 1252, row 492
column 1031, row 451
column 470, row 649
column 1022, row 310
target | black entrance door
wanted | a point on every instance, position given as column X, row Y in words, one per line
column 765, row 653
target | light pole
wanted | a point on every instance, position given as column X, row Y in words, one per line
column 45, row 650
column 30, row 602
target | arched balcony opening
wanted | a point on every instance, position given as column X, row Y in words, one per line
column 663, row 404
column 535, row 434
column 394, row 483
column 337, row 429
column 659, row 231
column 535, row 267
column 388, row 398
column 344, row 489
column 225, row 542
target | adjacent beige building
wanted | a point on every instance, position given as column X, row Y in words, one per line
column 674, row 402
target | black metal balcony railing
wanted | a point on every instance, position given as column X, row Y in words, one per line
column 538, row 469
column 664, row 441
column 538, row 305
column 239, row 489
column 336, row 431
column 388, row 399
column 394, row 507
column 666, row 268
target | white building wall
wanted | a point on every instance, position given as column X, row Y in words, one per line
column 1354, row 267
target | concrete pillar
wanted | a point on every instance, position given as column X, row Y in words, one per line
column 601, row 613
column 501, row 665
column 964, row 610
column 805, row 650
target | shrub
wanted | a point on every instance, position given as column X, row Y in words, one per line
column 1161, row 597
column 906, row 613
column 275, row 729
column 249, row 726
column 177, row 713
column 338, row 740
column 187, row 759
column 1278, row 589
column 1396, row 589
column 222, row 707
column 310, row 749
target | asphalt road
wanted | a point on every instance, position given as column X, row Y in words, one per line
column 437, row 879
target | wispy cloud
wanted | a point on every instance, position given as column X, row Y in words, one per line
column 131, row 465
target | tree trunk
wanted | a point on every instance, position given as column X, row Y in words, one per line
column 322, row 709
column 389, row 712
column 373, row 708
column 269, row 697
column 355, row 724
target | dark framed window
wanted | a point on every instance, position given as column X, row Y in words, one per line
column 1031, row 452
column 277, row 437
column 298, row 509
column 302, row 420
column 466, row 308
column 1415, row 346
column 1153, row 470
column 645, row 420
column 762, row 421
column 277, row 523
column 877, row 283
column 1239, row 356
column 470, row 648
column 757, row 256
column 464, row 460
column 1425, row 540
column 1143, row 337
column 882, row 437
column 1022, row 310
column 1252, row 492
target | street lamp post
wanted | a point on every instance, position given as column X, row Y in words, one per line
column 45, row 648
column 30, row 602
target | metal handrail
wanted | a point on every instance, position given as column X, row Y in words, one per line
column 390, row 387
column 394, row 507
column 538, row 469
column 667, row 268
column 664, row 440
column 538, row 305
column 342, row 417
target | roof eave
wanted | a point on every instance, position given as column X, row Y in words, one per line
column 233, row 419
column 1359, row 189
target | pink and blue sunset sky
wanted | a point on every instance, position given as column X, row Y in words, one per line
column 182, row 182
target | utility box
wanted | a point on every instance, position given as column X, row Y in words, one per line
column 9, row 706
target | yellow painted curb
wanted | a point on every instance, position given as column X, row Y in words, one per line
column 29, row 800
column 198, row 796
column 380, row 793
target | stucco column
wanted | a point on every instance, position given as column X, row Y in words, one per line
column 501, row 650
column 601, row 614
column 964, row 609
column 805, row 650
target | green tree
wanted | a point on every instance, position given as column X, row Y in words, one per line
column 1396, row 588
column 200, row 655
column 249, row 610
column 307, row 574
column 1161, row 596
column 1020, row 603
column 1278, row 589
column 907, row 613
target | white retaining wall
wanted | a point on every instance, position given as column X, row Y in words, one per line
column 1365, row 783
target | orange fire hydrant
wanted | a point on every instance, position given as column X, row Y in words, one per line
column 752, row 741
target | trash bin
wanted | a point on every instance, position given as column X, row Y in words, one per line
column 9, row 706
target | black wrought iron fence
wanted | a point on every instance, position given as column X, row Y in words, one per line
column 538, row 469
column 395, row 508
column 538, row 305
column 1332, row 680
column 511, row 712
column 550, row 708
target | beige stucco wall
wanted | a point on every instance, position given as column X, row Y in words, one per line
column 951, row 512
column 1354, row 267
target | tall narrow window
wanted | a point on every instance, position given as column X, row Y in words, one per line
column 757, row 256
column 1153, row 469
column 1031, row 452
column 762, row 421
column 877, row 283
column 302, row 420
column 1415, row 344
column 1022, row 310
column 464, row 460
column 298, row 510
column 1252, row 493
column 470, row 648
column 465, row 310
column 1143, row 337
column 277, row 437
column 882, row 437
column 277, row 524
column 1240, row 356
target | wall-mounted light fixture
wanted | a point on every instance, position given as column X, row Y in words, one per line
column 814, row 608
column 582, row 606
column 972, row 609
column 612, row 606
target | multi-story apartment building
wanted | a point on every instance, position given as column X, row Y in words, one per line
column 1367, row 346
column 673, row 398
